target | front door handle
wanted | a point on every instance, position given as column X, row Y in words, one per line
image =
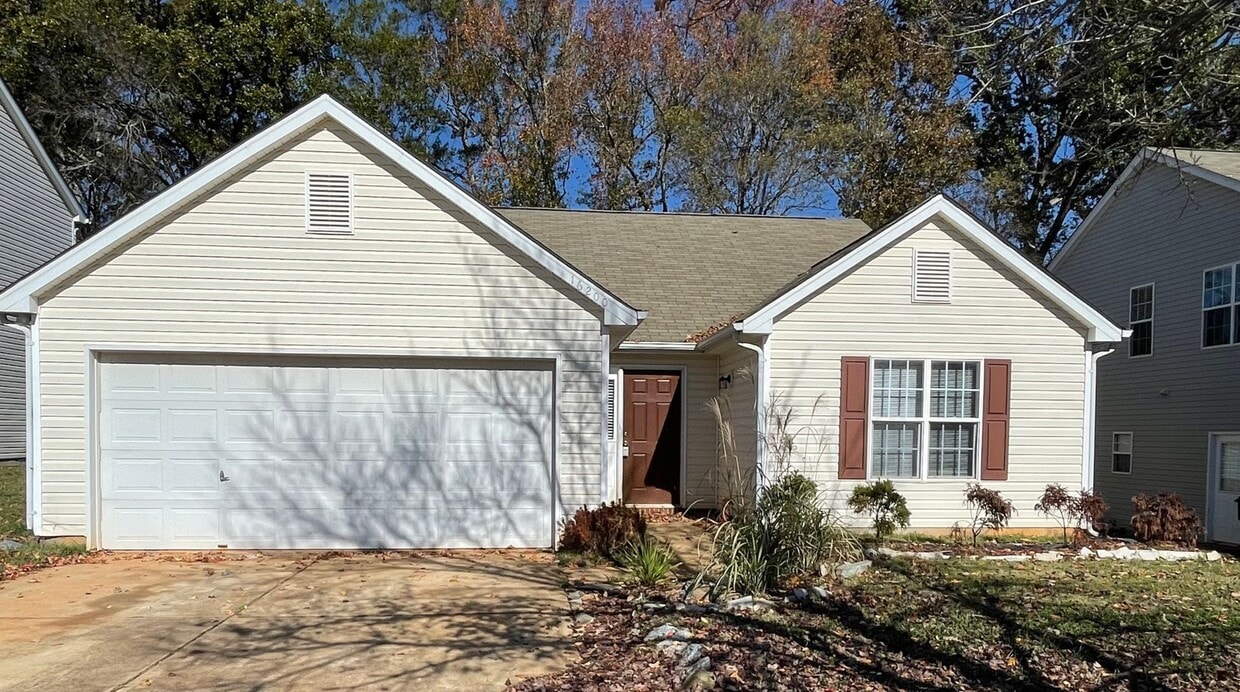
column 223, row 478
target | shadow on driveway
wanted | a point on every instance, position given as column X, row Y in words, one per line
column 253, row 621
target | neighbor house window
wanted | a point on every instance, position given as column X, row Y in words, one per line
column 1121, row 452
column 925, row 427
column 1141, row 320
column 1220, row 306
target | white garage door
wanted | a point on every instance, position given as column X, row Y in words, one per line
column 275, row 455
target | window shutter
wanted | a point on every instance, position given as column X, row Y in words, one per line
column 932, row 276
column 996, row 410
column 329, row 203
column 611, row 407
column 854, row 405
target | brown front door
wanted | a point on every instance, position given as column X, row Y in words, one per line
column 652, row 434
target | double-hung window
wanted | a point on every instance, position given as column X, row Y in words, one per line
column 925, row 418
column 1141, row 321
column 1220, row 306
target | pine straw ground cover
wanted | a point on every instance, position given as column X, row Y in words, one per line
column 947, row 625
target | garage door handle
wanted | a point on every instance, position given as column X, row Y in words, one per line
column 223, row 478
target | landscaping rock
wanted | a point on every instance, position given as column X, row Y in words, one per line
column 654, row 605
column 852, row 569
column 1125, row 553
column 1048, row 556
column 870, row 554
column 700, row 665
column 691, row 654
column 691, row 608
column 1214, row 556
column 1179, row 555
column 887, row 552
column 584, row 618
column 931, row 555
column 575, row 596
column 819, row 593
column 671, row 648
column 1106, row 554
column 798, row 595
column 750, row 603
column 7, row 545
column 1086, row 552
column 668, row 632
column 699, row 682
column 1147, row 555
column 1007, row 558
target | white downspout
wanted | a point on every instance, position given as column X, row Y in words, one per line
column 762, row 384
column 1088, row 442
column 34, row 488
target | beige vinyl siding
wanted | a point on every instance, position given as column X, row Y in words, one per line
column 737, row 465
column 700, row 385
column 35, row 226
column 1165, row 228
column 237, row 271
column 993, row 314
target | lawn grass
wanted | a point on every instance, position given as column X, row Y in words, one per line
column 953, row 625
column 33, row 554
column 12, row 502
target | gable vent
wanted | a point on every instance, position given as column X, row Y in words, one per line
column 329, row 203
column 932, row 276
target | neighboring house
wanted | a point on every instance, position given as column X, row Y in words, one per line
column 1161, row 254
column 37, row 213
column 316, row 340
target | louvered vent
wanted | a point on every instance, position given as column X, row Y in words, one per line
column 932, row 276
column 329, row 203
column 611, row 407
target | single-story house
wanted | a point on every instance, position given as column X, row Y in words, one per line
column 318, row 341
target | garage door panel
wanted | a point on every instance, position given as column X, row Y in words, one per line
column 325, row 456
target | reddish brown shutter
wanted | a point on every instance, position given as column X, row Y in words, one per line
column 854, row 404
column 996, row 407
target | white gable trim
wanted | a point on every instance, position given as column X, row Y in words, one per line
column 1133, row 169
column 8, row 103
column 23, row 295
column 762, row 320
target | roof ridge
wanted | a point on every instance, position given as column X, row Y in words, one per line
column 647, row 212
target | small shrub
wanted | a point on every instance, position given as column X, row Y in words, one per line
column 1071, row 511
column 786, row 536
column 1165, row 517
column 988, row 509
column 881, row 501
column 1093, row 508
column 603, row 530
column 649, row 562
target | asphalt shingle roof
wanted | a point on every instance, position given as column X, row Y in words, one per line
column 690, row 271
column 1226, row 163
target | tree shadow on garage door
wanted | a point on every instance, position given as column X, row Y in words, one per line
column 389, row 453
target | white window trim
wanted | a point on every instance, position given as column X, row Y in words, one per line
column 923, row 440
column 1132, row 322
column 313, row 230
column 1201, row 288
column 1132, row 445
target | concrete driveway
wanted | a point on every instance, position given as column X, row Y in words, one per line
column 275, row 621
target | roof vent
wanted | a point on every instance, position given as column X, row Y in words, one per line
column 329, row 203
column 932, row 276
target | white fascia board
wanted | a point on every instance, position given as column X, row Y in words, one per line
column 1100, row 328
column 23, row 295
column 1133, row 168
column 658, row 346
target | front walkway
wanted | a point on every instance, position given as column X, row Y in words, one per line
column 374, row 621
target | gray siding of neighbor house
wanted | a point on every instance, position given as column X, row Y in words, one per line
column 34, row 226
column 1165, row 229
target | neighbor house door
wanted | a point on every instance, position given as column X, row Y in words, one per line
column 652, row 420
column 1225, row 489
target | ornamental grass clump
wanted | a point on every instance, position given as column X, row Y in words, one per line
column 786, row 536
column 603, row 530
